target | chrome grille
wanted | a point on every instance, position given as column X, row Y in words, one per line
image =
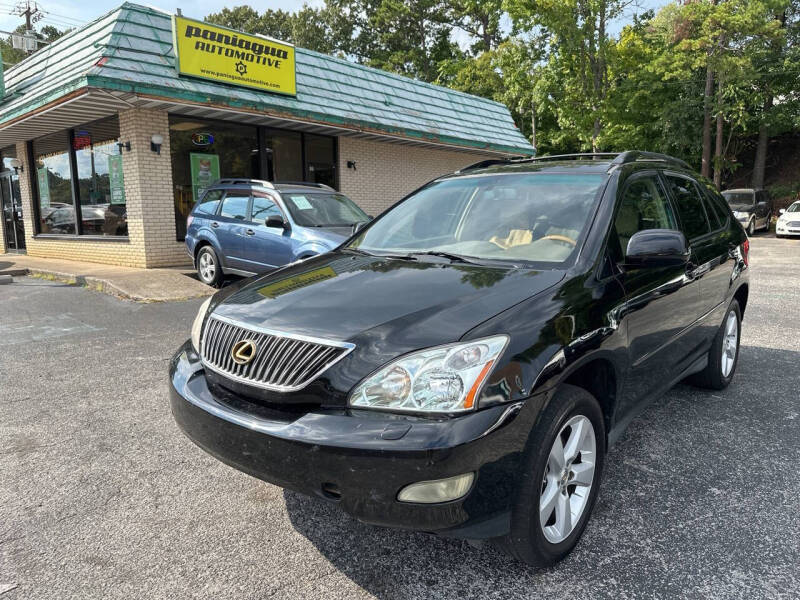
column 282, row 362
column 793, row 224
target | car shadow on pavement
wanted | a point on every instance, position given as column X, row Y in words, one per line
column 687, row 447
column 392, row 563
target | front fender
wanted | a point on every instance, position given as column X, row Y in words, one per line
column 310, row 249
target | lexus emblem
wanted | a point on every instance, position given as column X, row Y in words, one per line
column 243, row 352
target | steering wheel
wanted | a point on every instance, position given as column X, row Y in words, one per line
column 560, row 238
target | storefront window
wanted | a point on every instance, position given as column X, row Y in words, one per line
column 7, row 155
column 92, row 152
column 284, row 155
column 54, row 184
column 100, row 184
column 320, row 159
column 203, row 151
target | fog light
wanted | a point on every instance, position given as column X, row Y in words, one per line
column 437, row 490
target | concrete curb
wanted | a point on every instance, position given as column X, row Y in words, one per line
column 93, row 283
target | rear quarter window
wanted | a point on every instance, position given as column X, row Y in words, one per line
column 207, row 205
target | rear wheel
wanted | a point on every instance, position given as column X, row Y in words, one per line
column 561, row 475
column 208, row 268
column 751, row 228
column 768, row 223
column 723, row 357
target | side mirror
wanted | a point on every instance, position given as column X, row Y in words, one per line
column 781, row 211
column 276, row 221
column 657, row 248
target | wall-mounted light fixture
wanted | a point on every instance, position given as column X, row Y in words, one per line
column 16, row 164
column 124, row 145
column 351, row 164
column 155, row 143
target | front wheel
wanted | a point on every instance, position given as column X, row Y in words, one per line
column 723, row 357
column 562, row 468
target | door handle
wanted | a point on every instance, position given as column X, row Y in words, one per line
column 214, row 224
column 249, row 232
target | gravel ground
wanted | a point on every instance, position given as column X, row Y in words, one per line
column 102, row 497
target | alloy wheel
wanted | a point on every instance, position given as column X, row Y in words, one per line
column 568, row 479
column 207, row 267
column 730, row 344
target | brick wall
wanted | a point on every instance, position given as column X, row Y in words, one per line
column 148, row 193
column 385, row 171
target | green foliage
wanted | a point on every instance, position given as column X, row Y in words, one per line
column 12, row 56
column 642, row 86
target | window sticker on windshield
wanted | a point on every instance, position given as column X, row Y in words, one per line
column 302, row 203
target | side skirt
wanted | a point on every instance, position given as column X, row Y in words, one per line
column 619, row 428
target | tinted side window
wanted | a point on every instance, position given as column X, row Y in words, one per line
column 235, row 205
column 263, row 208
column 718, row 205
column 690, row 206
column 207, row 205
column 643, row 206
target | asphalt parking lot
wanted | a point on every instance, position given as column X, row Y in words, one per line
column 102, row 497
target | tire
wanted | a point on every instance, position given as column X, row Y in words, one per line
column 768, row 223
column 721, row 365
column 751, row 228
column 209, row 269
column 530, row 541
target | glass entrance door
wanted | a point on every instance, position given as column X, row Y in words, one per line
column 12, row 211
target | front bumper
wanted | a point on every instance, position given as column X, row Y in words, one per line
column 784, row 229
column 361, row 459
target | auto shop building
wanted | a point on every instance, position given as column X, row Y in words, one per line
column 109, row 134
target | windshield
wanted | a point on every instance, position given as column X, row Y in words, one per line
column 794, row 208
column 516, row 217
column 316, row 209
column 739, row 198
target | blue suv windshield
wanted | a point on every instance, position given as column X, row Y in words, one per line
column 314, row 209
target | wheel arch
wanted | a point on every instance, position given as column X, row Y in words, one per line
column 598, row 376
column 741, row 295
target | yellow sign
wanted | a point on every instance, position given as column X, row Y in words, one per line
column 228, row 56
column 282, row 286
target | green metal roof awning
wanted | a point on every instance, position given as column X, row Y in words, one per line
column 126, row 59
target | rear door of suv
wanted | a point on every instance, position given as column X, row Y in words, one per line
column 708, row 237
column 231, row 224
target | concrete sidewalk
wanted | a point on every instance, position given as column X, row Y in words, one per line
column 141, row 285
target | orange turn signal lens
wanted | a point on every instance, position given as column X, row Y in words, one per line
column 470, row 401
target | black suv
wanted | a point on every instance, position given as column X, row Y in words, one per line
column 462, row 363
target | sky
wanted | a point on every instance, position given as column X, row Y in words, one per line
column 71, row 13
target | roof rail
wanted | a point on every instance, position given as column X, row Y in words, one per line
column 305, row 184
column 618, row 158
column 639, row 155
column 243, row 181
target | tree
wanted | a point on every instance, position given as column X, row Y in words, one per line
column 12, row 56
column 579, row 54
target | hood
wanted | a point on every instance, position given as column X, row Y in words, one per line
column 382, row 304
column 332, row 236
column 743, row 208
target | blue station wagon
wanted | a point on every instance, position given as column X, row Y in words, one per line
column 249, row 226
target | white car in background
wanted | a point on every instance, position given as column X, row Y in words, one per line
column 789, row 221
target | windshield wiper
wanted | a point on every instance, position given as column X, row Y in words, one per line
column 448, row 255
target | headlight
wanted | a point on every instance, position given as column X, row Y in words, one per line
column 197, row 326
column 739, row 215
column 442, row 379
